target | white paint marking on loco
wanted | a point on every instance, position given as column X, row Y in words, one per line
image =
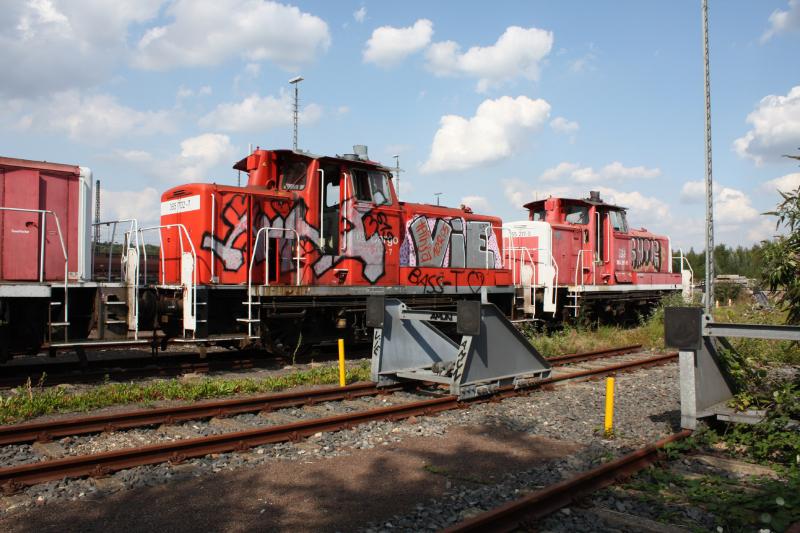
column 180, row 205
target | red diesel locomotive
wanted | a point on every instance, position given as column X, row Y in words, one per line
column 578, row 257
column 298, row 249
column 289, row 259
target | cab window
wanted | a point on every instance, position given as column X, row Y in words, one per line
column 361, row 190
column 538, row 214
column 618, row 221
column 293, row 175
column 379, row 186
column 577, row 214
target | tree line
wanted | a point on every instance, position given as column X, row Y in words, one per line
column 748, row 262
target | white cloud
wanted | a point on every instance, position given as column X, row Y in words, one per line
column 388, row 45
column 775, row 128
column 198, row 156
column 643, row 208
column 560, row 171
column 562, row 125
column 618, row 171
column 731, row 206
column 55, row 45
column 519, row 193
column 498, row 128
column 787, row 183
column 760, row 230
column 258, row 113
column 142, row 205
column 781, row 21
column 583, row 63
column 208, row 32
column 518, row 52
column 479, row 204
column 615, row 171
column 694, row 192
column 187, row 92
column 93, row 119
column 202, row 153
column 360, row 14
column 183, row 93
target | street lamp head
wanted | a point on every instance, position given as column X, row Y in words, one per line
column 297, row 79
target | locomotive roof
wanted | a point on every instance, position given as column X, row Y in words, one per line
column 345, row 158
column 13, row 162
column 587, row 201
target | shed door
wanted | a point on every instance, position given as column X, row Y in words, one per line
column 54, row 192
column 20, row 252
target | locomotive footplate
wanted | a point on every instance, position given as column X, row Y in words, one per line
column 487, row 352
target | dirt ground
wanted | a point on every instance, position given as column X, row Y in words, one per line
column 315, row 494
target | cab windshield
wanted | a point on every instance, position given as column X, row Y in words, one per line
column 577, row 214
column 292, row 174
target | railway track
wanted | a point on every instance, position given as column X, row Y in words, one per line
column 521, row 513
column 14, row 478
column 123, row 369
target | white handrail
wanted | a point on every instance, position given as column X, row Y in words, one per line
column 511, row 250
column 683, row 259
column 213, row 232
column 134, row 229
column 321, row 210
column 579, row 268
column 344, row 211
column 42, row 216
column 193, row 289
column 266, row 268
column 266, row 252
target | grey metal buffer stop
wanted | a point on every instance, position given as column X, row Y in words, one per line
column 408, row 346
column 706, row 384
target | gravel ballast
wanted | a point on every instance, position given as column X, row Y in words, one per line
column 647, row 409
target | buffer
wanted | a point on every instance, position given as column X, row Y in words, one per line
column 486, row 352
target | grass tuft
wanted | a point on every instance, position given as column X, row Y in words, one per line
column 30, row 401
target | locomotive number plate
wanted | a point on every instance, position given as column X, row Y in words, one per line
column 180, row 205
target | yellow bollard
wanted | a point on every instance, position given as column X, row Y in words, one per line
column 609, row 424
column 341, row 363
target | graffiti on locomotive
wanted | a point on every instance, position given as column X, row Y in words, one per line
column 449, row 242
column 645, row 253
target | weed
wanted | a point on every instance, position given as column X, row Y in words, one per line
column 31, row 401
column 771, row 503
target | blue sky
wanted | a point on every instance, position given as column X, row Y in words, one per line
column 492, row 105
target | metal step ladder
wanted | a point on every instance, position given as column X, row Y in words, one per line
column 575, row 305
column 252, row 318
column 524, row 306
column 113, row 313
column 57, row 326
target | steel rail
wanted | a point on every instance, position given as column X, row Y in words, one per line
column 520, row 514
column 597, row 354
column 44, row 431
column 49, row 430
column 627, row 365
column 14, row 478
